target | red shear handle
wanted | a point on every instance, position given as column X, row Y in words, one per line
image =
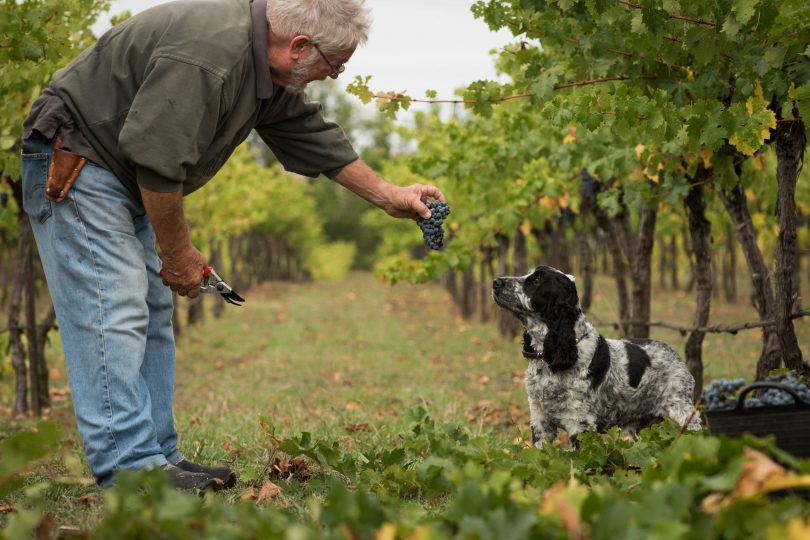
column 207, row 270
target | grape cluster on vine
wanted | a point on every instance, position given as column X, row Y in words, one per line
column 432, row 230
column 722, row 394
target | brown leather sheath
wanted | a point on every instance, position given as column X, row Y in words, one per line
column 65, row 167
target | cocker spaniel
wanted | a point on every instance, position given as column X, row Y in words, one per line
column 576, row 379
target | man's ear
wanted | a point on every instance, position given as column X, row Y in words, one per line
column 298, row 45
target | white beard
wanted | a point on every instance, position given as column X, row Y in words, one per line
column 299, row 78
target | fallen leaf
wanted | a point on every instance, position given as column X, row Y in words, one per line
column 352, row 405
column 269, row 490
column 5, row 509
column 296, row 468
column 364, row 426
column 230, row 447
column 89, row 500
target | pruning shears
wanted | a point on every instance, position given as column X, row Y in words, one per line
column 213, row 283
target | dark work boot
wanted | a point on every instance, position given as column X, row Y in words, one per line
column 189, row 481
column 226, row 477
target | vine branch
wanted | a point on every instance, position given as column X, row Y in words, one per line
column 675, row 17
column 716, row 329
column 576, row 84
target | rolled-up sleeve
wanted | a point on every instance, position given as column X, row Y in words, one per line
column 301, row 139
column 172, row 120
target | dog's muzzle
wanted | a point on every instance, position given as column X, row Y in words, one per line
column 503, row 292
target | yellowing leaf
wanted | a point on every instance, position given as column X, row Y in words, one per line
column 758, row 89
column 562, row 502
column 571, row 137
column 707, row 155
column 565, row 200
column 798, row 529
column 654, row 177
column 639, row 150
column 387, row 532
column 526, row 227
column 637, row 174
column 549, row 203
column 759, row 475
column 753, row 123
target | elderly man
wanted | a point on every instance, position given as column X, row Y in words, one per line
column 146, row 115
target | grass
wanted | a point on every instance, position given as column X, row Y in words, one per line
column 344, row 361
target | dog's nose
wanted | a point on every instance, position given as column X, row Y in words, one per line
column 497, row 283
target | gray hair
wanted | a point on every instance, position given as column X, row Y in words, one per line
column 335, row 25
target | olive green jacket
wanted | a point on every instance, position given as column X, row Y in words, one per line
column 165, row 97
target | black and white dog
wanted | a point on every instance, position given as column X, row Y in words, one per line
column 576, row 379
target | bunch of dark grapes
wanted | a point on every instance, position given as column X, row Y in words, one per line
column 721, row 394
column 775, row 397
column 432, row 228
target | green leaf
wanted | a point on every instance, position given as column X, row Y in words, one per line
column 732, row 26
column 775, row 56
column 744, row 10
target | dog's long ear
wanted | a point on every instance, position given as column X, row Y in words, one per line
column 560, row 345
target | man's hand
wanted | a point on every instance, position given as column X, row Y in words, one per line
column 182, row 263
column 409, row 201
column 182, row 272
column 401, row 202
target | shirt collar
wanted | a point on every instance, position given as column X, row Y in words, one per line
column 258, row 17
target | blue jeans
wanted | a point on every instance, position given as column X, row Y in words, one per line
column 115, row 315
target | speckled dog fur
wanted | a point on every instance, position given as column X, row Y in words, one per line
column 576, row 379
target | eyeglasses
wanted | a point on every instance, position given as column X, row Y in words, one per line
column 336, row 70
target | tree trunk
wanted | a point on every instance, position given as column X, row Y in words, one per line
column 508, row 325
column 15, row 328
column 520, row 264
column 673, row 262
column 586, row 270
column 558, row 237
column 761, row 289
column 700, row 232
column 468, row 293
column 195, row 310
column 43, row 329
column 484, row 287
column 451, row 284
column 729, row 273
column 642, row 272
column 662, row 264
column 31, row 328
column 619, row 268
column 790, row 145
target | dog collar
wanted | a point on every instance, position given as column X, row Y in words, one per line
column 528, row 351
